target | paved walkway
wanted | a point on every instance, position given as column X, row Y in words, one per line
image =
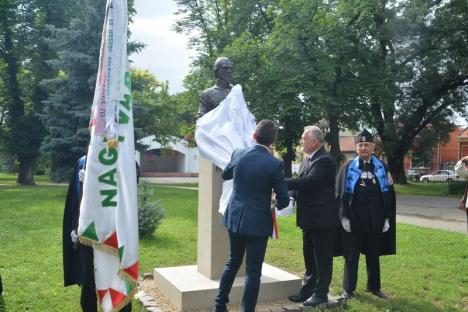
column 433, row 212
column 170, row 180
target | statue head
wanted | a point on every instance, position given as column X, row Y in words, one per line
column 222, row 69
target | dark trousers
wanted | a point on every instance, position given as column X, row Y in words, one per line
column 254, row 247
column 318, row 246
column 88, row 298
column 356, row 242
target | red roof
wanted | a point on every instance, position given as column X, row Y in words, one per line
column 347, row 144
column 463, row 134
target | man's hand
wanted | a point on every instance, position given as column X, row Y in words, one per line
column 81, row 175
column 386, row 226
column 74, row 237
column 346, row 224
column 390, row 179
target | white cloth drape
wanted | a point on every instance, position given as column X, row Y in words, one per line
column 227, row 127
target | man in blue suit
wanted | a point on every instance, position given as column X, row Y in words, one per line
column 248, row 217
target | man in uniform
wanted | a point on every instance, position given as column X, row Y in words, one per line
column 365, row 194
column 78, row 259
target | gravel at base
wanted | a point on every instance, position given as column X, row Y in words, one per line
column 164, row 305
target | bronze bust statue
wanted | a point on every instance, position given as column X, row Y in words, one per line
column 210, row 98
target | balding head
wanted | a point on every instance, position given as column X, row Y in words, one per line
column 316, row 133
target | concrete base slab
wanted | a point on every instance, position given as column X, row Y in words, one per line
column 187, row 289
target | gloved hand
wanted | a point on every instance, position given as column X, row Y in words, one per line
column 386, row 226
column 346, row 224
column 81, row 175
column 74, row 237
column 291, row 202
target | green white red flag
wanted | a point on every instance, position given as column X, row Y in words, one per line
column 108, row 214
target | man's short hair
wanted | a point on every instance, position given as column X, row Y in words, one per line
column 266, row 132
column 316, row 132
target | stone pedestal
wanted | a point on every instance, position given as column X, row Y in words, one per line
column 213, row 240
column 187, row 289
column 195, row 287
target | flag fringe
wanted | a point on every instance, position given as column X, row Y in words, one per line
column 99, row 246
column 127, row 276
column 127, row 299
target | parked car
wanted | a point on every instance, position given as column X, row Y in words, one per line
column 440, row 176
column 415, row 173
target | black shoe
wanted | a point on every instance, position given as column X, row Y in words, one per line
column 298, row 298
column 346, row 295
column 314, row 301
column 377, row 293
column 221, row 308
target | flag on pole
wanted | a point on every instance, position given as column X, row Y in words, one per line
column 108, row 213
column 275, row 233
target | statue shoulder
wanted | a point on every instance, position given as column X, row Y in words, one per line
column 208, row 92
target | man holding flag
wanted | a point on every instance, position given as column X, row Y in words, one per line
column 108, row 219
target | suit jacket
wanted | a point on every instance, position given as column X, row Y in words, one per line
column 314, row 191
column 255, row 172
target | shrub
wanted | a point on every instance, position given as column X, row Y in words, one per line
column 150, row 214
column 457, row 188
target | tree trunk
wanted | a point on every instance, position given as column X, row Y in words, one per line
column 334, row 139
column 288, row 157
column 396, row 168
column 287, row 161
column 26, row 171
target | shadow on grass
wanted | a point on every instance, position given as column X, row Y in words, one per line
column 400, row 304
column 360, row 302
column 2, row 304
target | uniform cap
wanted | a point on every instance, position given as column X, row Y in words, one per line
column 364, row 136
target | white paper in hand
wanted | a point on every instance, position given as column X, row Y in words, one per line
column 286, row 211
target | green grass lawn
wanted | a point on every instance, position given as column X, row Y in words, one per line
column 10, row 179
column 426, row 189
column 429, row 273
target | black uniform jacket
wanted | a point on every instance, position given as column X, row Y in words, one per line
column 388, row 239
column 314, row 191
column 71, row 256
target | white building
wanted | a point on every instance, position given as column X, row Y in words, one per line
column 174, row 159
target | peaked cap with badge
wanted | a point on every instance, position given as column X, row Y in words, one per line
column 364, row 136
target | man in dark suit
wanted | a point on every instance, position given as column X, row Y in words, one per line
column 248, row 217
column 317, row 216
